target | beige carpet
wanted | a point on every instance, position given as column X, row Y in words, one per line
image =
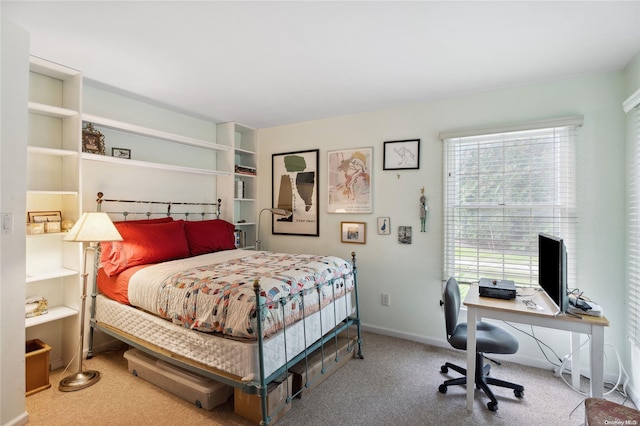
column 396, row 383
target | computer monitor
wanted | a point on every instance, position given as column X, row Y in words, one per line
column 552, row 269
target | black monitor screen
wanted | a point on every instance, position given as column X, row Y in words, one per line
column 552, row 269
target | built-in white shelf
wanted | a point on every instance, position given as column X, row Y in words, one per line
column 150, row 165
column 244, row 223
column 51, row 151
column 50, row 110
column 152, row 133
column 37, row 192
column 54, row 313
column 44, row 67
column 244, row 151
column 51, row 274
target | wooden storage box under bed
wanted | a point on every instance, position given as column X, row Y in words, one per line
column 250, row 407
column 309, row 373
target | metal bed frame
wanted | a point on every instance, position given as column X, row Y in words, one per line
column 259, row 386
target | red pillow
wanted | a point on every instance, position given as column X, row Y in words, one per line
column 144, row 243
column 208, row 236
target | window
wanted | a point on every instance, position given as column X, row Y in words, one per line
column 502, row 187
column 633, row 222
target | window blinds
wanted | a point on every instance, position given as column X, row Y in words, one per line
column 501, row 190
column 633, row 242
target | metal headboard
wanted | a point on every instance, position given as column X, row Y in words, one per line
column 168, row 212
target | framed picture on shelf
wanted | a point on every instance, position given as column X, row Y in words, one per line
column 294, row 182
column 92, row 140
column 353, row 232
column 349, row 178
column 44, row 216
column 121, row 153
column 401, row 155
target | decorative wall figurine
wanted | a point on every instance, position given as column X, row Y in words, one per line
column 424, row 209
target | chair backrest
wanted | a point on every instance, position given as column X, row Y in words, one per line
column 451, row 305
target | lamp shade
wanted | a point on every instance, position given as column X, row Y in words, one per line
column 93, row 227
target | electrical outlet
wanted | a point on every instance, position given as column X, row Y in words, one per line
column 386, row 299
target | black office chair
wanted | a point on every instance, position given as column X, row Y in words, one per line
column 489, row 339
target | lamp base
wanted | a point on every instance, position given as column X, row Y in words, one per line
column 79, row 381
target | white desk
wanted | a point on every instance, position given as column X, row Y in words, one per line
column 516, row 311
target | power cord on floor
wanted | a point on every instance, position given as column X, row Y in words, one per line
column 562, row 362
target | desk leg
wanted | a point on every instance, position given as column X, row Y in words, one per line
column 597, row 361
column 472, row 316
column 575, row 360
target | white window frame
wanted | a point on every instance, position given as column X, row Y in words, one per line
column 497, row 260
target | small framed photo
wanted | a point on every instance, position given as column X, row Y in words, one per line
column 121, row 153
column 92, row 140
column 353, row 232
column 404, row 234
column 44, row 216
column 401, row 155
column 384, row 225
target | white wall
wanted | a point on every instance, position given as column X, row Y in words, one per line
column 412, row 273
column 13, row 185
column 147, row 184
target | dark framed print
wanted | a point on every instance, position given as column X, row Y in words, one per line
column 349, row 180
column 92, row 140
column 294, row 183
column 353, row 232
column 401, row 155
column 121, row 153
column 404, row 234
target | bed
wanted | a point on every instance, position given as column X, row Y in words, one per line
column 179, row 290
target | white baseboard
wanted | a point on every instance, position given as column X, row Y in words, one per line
column 21, row 420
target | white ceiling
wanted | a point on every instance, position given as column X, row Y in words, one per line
column 265, row 63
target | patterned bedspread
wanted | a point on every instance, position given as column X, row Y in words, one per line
column 214, row 292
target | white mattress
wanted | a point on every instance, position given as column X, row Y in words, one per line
column 236, row 357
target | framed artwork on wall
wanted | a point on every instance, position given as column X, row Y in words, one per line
column 294, row 183
column 353, row 232
column 401, row 155
column 404, row 234
column 349, row 180
column 384, row 226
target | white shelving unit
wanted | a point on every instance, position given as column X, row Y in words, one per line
column 123, row 129
column 242, row 212
column 53, row 184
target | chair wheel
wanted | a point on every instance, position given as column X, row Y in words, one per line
column 518, row 393
column 492, row 406
column 444, row 369
column 442, row 389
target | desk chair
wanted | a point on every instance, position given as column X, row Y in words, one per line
column 489, row 339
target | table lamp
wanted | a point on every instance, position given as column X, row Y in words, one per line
column 92, row 227
column 277, row 212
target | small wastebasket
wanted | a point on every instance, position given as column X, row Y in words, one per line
column 37, row 366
